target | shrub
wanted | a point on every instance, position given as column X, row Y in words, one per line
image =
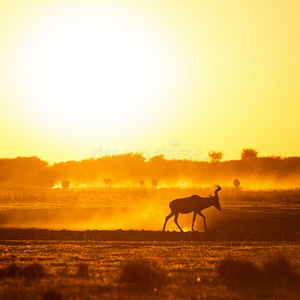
column 143, row 273
column 52, row 294
column 11, row 271
column 32, row 271
column 83, row 270
column 280, row 269
column 237, row 270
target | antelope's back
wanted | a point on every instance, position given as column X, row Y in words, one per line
column 184, row 205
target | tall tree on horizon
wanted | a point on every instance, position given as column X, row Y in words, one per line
column 249, row 154
column 215, row 156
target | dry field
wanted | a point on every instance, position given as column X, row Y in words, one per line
column 108, row 244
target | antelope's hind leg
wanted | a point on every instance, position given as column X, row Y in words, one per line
column 167, row 218
column 194, row 218
column 175, row 220
column 202, row 215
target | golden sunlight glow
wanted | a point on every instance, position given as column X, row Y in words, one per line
column 92, row 69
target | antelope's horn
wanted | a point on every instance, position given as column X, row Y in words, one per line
column 216, row 185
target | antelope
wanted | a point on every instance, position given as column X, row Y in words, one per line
column 194, row 204
column 154, row 183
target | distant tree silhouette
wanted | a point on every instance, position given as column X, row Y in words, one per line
column 157, row 158
column 45, row 178
column 107, row 182
column 154, row 183
column 129, row 169
column 65, row 184
column 215, row 156
column 249, row 154
column 236, row 183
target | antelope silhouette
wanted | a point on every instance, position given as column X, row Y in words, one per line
column 194, row 204
column 154, row 183
column 107, row 182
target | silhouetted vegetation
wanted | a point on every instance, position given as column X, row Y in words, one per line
column 128, row 169
column 215, row 156
column 32, row 271
column 275, row 270
column 83, row 270
column 281, row 269
column 52, row 294
column 143, row 273
column 234, row 270
column 249, row 154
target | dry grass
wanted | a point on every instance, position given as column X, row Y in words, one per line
column 130, row 270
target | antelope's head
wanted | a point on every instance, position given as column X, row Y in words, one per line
column 216, row 198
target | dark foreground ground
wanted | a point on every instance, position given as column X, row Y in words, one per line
column 90, row 264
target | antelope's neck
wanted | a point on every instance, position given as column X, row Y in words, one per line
column 216, row 195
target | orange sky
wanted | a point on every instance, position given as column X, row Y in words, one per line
column 87, row 78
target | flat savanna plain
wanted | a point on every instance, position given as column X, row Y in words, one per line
column 84, row 238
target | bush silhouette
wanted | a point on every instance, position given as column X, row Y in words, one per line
column 280, row 269
column 52, row 294
column 215, row 156
column 143, row 273
column 32, row 271
column 83, row 270
column 237, row 270
column 249, row 154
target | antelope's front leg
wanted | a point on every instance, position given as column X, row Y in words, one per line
column 202, row 215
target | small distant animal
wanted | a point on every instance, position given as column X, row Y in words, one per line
column 65, row 184
column 154, row 183
column 107, row 182
column 236, row 183
column 142, row 183
column 194, row 204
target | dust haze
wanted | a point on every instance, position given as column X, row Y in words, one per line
column 132, row 170
column 101, row 209
column 129, row 192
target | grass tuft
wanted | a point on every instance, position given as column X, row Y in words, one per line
column 83, row 270
column 143, row 273
column 52, row 294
